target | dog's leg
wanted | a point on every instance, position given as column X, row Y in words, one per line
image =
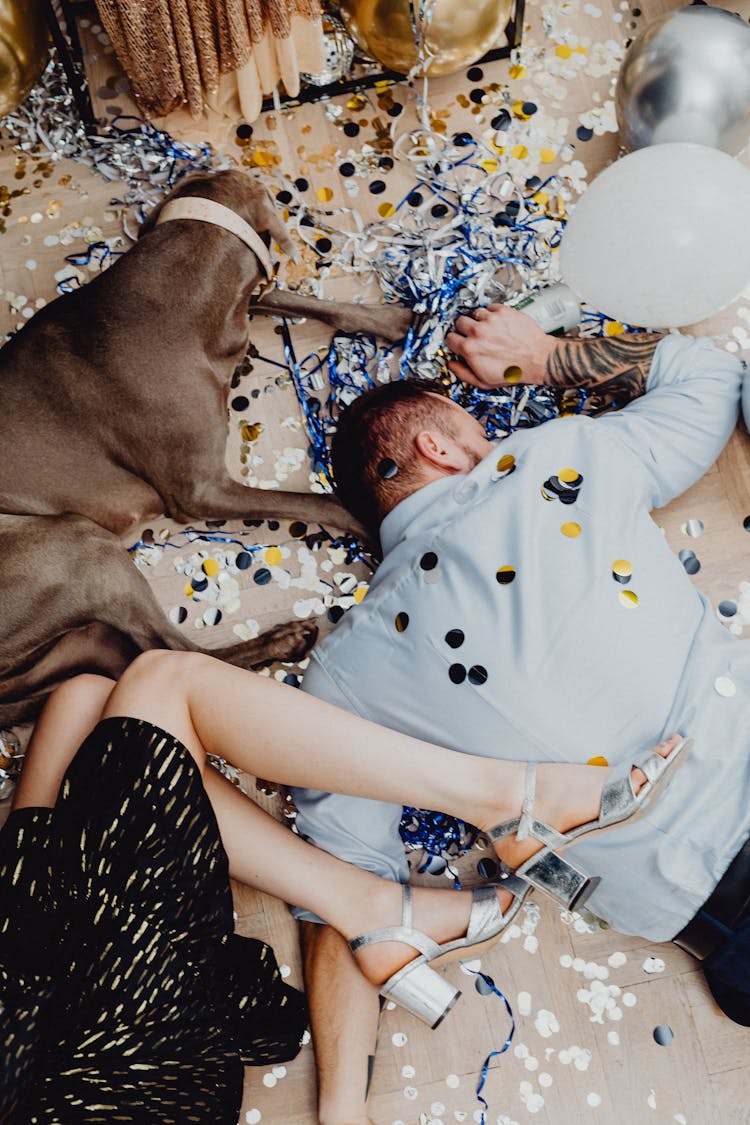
column 390, row 322
column 100, row 587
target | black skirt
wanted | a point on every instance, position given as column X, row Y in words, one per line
column 124, row 994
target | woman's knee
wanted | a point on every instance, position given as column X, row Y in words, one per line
column 86, row 691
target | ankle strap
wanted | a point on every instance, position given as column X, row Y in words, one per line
column 527, row 808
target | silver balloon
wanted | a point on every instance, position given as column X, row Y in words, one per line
column 687, row 78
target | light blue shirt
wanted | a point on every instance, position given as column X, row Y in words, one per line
column 577, row 664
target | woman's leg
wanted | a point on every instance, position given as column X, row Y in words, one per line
column 70, row 714
column 278, row 732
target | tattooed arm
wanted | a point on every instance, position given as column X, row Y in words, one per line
column 499, row 346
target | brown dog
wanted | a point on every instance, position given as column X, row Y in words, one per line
column 94, row 396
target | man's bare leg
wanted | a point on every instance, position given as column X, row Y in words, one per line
column 344, row 1010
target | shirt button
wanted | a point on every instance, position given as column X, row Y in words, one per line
column 466, row 492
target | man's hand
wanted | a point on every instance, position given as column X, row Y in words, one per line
column 498, row 347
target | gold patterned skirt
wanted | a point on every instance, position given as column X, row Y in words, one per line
column 124, row 994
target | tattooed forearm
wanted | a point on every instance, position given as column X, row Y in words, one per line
column 612, row 367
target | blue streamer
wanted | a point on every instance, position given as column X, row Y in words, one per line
column 501, row 1050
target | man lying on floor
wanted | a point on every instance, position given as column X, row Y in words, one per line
column 528, row 607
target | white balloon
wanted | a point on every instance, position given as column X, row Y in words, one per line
column 661, row 238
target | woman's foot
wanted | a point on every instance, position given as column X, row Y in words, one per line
column 568, row 796
column 441, row 915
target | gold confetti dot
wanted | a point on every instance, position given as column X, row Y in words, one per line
column 563, row 51
column 622, row 570
column 386, row 210
column 359, row 594
column 505, row 575
column 518, row 111
column 402, row 622
column 512, row 374
column 545, row 495
column 210, row 567
column 499, row 149
column 251, row 431
column 506, row 463
column 272, row 556
column 541, row 198
column 490, row 166
column 567, row 476
column 519, row 152
column 517, row 71
column 628, row 598
column 597, row 760
column 547, row 155
column 324, row 194
column 571, row 530
column 189, row 591
column 614, row 328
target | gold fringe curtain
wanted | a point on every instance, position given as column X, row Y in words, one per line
column 176, row 52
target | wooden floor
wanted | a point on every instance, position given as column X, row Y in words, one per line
column 567, row 1065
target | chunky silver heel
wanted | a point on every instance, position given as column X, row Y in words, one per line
column 417, row 987
column 556, row 875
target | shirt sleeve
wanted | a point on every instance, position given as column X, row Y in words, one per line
column 357, row 830
column 680, row 425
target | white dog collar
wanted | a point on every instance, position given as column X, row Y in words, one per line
column 207, row 211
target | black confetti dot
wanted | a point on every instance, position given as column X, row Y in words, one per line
column 438, row 210
column 583, row 133
column 297, row 529
column 335, row 613
column 284, row 197
column 240, row 403
column 567, row 496
column 244, row 560
column 487, row 868
column 307, row 221
column 477, row 674
column 529, row 108
column 262, row 576
column 252, row 523
column 505, row 575
column 475, row 74
column 457, row 673
column 199, row 582
column 323, row 245
column 273, row 525
column 402, row 622
column 428, row 561
column 512, row 206
column 663, row 1035
column 501, row 121
column 386, row 162
column 179, row 614
column 462, row 139
column 395, row 110
column 377, row 187
column 215, row 523
column 746, row 523
column 414, row 199
column 482, row 985
column 351, row 128
column 244, row 132
column 503, row 219
column 454, row 638
column 291, row 679
column 387, row 468
column 533, row 183
column 347, row 169
column 477, row 96
column 301, row 184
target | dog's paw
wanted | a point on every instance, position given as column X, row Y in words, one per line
column 287, row 642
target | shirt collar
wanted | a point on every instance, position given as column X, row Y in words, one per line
column 416, row 512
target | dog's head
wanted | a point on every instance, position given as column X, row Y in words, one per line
column 241, row 193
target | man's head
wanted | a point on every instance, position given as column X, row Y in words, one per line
column 404, row 425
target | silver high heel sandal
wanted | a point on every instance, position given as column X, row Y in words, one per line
column 551, row 872
column 417, row 987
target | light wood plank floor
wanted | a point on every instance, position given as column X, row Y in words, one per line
column 564, row 1068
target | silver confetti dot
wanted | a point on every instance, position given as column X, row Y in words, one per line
column 663, row 1035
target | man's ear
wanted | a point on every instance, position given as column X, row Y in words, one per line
column 440, row 451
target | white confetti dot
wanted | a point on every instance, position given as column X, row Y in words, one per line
column 566, row 960
column 453, row 1081
column 581, row 1062
column 594, row 1099
column 531, row 943
column 437, row 1109
column 521, row 1051
column 579, row 964
column 30, row 264
column 253, row 1116
column 280, row 1071
column 653, row 965
column 651, row 1100
column 680, row 1118
column 269, row 1080
column 544, row 1079
column 306, row 1037
column 613, row 1038
column 629, row 999
column 616, row 960
column 531, row 1063
column 472, row 966
column 410, row 1092
column 398, row 1039
column 725, row 687
column 284, row 971
column 524, row 1003
column 408, row 1072
column 615, row 1013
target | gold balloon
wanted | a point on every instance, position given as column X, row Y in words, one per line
column 23, row 50
column 456, row 32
